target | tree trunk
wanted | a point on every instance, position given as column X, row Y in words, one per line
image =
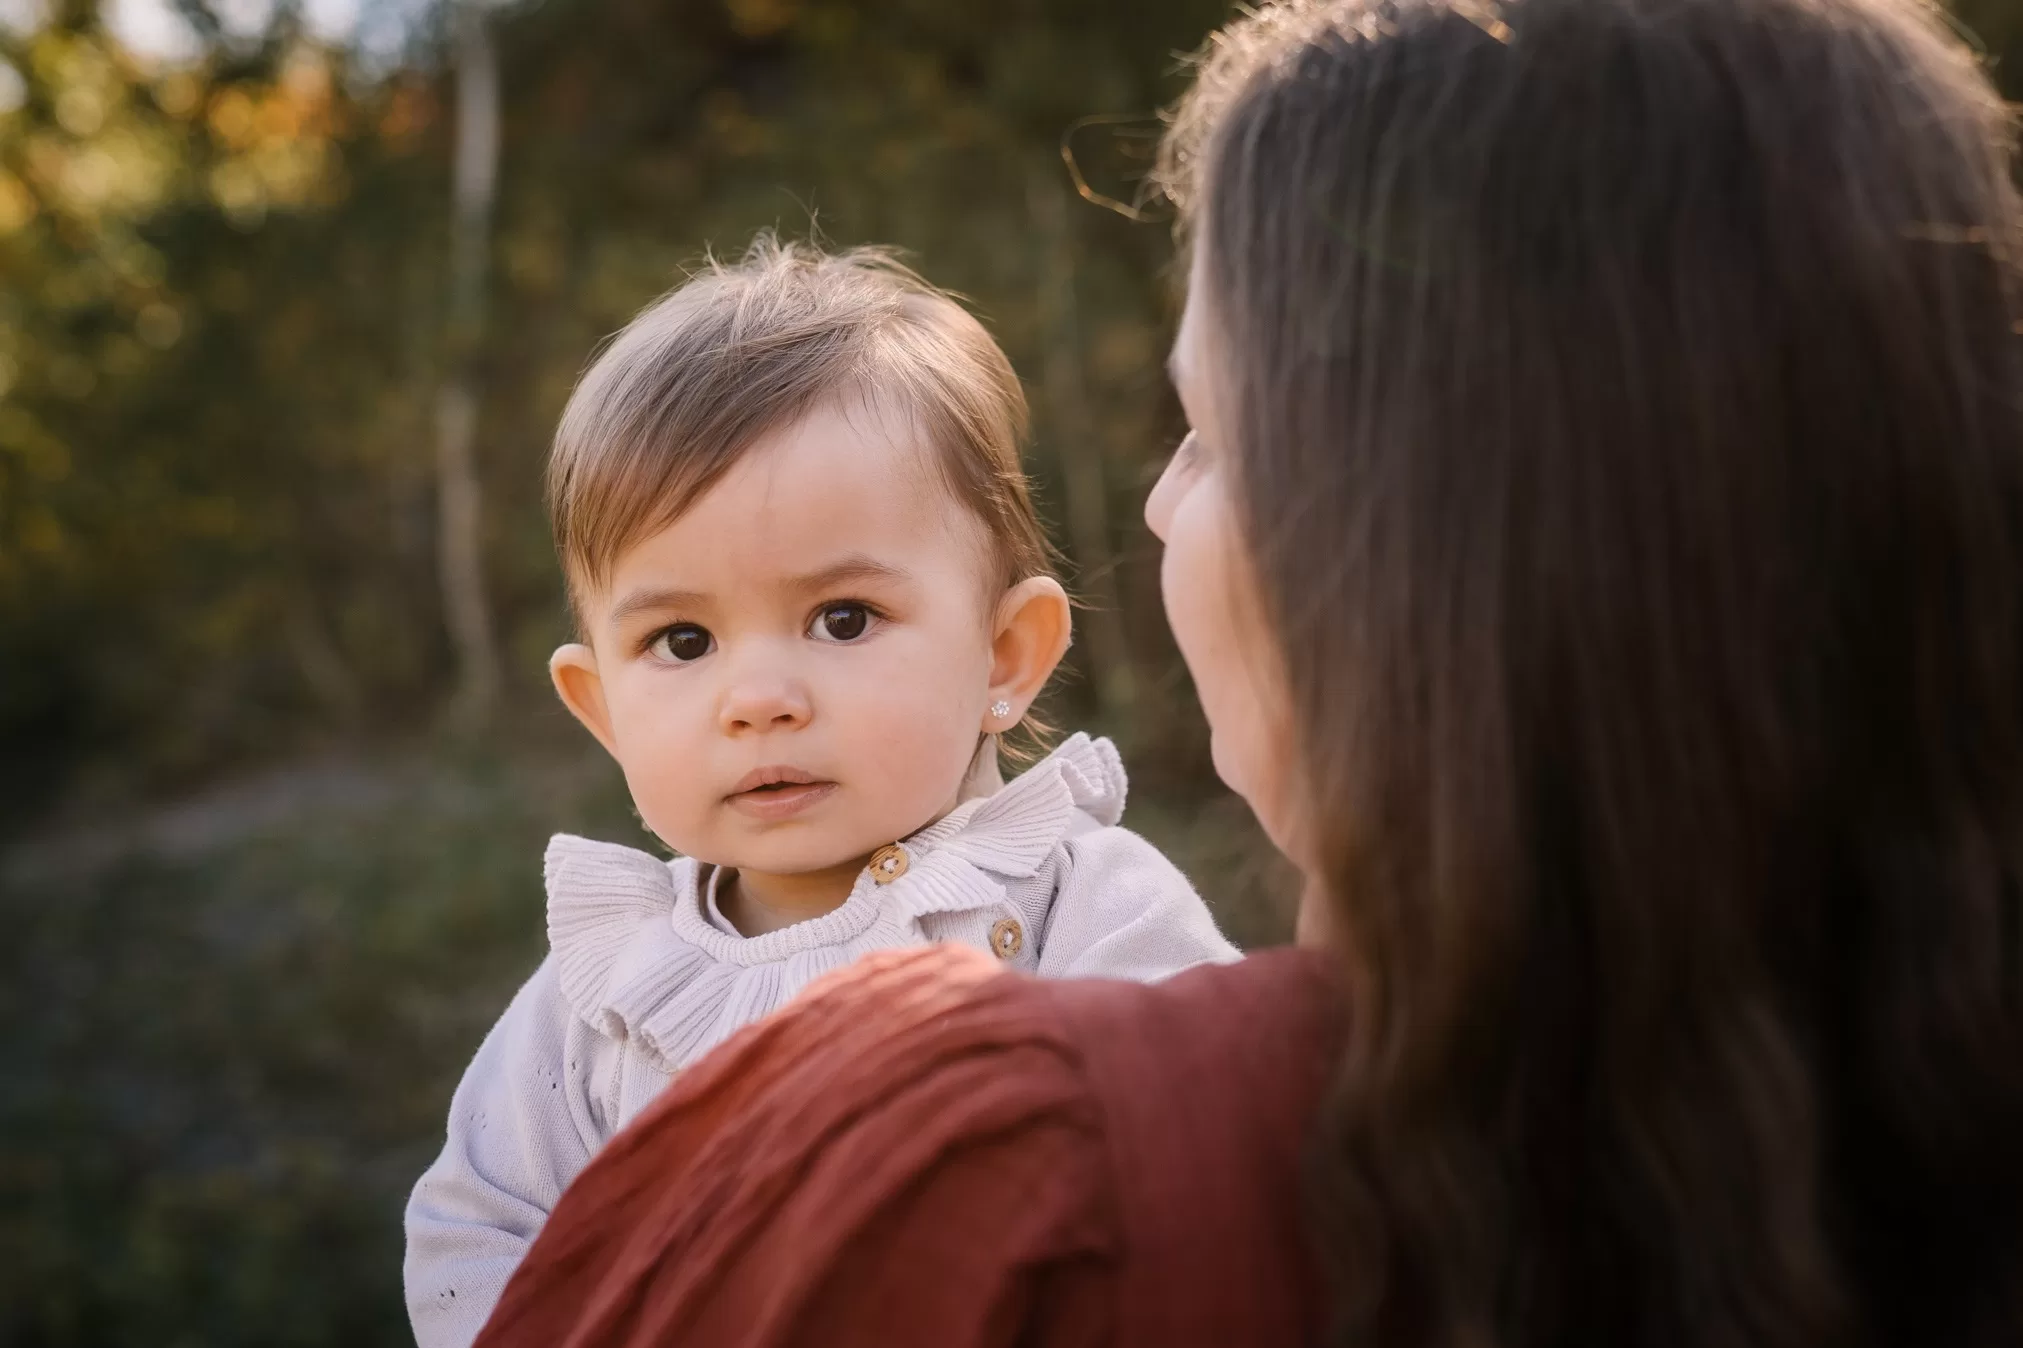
column 459, row 499
column 1070, row 427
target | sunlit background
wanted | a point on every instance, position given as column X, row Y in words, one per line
column 290, row 296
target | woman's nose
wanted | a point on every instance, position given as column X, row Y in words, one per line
column 1166, row 493
column 764, row 703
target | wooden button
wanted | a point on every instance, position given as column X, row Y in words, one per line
column 888, row 863
column 1007, row 938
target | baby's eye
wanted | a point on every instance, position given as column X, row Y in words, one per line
column 683, row 643
column 842, row 622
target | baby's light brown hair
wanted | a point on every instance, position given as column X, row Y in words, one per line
column 742, row 349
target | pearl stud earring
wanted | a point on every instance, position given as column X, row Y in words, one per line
column 1000, row 709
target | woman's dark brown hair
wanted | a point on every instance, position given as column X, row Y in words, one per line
column 1629, row 438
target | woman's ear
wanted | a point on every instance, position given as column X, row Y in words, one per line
column 1031, row 635
column 573, row 669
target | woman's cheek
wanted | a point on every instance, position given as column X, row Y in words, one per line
column 1218, row 623
column 1203, row 609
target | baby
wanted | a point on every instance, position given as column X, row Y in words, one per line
column 812, row 593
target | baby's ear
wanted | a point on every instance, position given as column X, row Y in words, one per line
column 1034, row 624
column 573, row 669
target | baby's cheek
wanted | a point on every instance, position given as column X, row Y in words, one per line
column 668, row 801
column 668, row 774
column 911, row 745
column 655, row 803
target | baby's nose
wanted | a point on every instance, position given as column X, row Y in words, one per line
column 764, row 704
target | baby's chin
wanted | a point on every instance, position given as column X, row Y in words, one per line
column 791, row 850
column 832, row 834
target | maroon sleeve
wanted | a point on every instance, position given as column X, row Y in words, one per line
column 907, row 1155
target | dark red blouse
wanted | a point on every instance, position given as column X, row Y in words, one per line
column 924, row 1150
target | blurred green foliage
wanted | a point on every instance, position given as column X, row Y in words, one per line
column 222, row 294
column 231, row 1064
column 261, row 901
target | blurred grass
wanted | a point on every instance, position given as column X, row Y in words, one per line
column 231, row 1051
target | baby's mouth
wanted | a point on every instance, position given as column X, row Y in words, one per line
column 776, row 792
column 774, row 777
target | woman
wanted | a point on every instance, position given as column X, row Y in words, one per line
column 1598, row 557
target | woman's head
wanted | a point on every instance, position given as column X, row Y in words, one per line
column 803, row 558
column 1614, row 405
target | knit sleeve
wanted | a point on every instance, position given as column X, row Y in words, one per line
column 1122, row 910
column 525, row 1118
column 905, row 1157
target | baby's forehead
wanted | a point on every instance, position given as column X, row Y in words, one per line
column 849, row 478
column 848, row 442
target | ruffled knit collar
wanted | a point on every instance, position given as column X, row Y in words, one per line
column 639, row 960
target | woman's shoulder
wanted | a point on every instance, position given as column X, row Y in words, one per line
column 914, row 1014
column 928, row 1133
column 1208, row 1085
column 919, row 1010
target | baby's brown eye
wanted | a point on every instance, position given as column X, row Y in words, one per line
column 841, row 622
column 684, row 643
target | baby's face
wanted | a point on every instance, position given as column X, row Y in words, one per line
column 796, row 671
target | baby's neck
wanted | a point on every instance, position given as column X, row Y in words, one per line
column 756, row 903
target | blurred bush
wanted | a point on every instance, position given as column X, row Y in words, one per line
column 233, row 1050
column 225, row 320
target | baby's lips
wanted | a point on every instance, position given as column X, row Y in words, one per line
column 774, row 774
column 788, row 801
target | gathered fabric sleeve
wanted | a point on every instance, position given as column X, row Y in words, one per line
column 525, row 1119
column 908, row 1156
column 1124, row 911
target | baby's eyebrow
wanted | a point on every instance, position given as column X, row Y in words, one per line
column 655, row 601
column 856, row 568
